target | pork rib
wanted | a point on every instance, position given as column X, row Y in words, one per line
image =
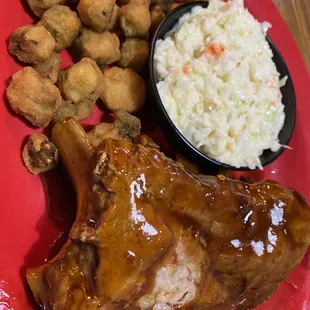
column 149, row 235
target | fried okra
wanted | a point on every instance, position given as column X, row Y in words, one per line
column 34, row 97
column 157, row 15
column 123, row 89
column 104, row 48
column 114, row 20
column 134, row 54
column 31, row 44
column 81, row 82
column 38, row 7
column 135, row 19
column 102, row 132
column 129, row 126
column 49, row 68
column 96, row 13
column 79, row 111
column 125, row 127
column 63, row 24
column 39, row 154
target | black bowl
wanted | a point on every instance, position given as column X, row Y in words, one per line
column 174, row 136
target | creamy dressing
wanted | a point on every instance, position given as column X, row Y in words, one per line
column 219, row 84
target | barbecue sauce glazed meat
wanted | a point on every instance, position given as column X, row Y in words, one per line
column 242, row 239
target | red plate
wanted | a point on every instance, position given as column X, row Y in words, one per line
column 35, row 211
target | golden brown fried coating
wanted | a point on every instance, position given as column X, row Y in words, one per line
column 104, row 48
column 123, row 89
column 134, row 54
column 63, row 24
column 135, row 19
column 34, row 97
column 125, row 127
column 129, row 126
column 49, row 68
column 31, row 44
column 157, row 15
column 96, row 13
column 39, row 154
column 38, row 7
column 114, row 20
column 79, row 111
column 102, row 132
column 81, row 82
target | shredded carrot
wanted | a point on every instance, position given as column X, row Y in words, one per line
column 215, row 49
column 185, row 69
